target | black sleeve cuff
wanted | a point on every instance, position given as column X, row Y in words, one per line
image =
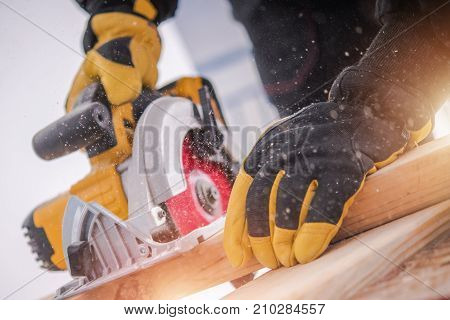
column 166, row 8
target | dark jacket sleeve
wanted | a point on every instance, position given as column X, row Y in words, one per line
column 437, row 11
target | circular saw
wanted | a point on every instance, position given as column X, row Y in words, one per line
column 162, row 171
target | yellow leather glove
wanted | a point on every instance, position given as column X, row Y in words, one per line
column 123, row 59
column 295, row 187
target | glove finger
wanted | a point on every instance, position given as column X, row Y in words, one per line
column 81, row 81
column 235, row 241
column 329, row 206
column 122, row 83
column 260, row 214
column 294, row 196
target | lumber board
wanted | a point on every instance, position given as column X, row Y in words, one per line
column 431, row 265
column 415, row 181
column 351, row 266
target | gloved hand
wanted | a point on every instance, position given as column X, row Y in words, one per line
column 123, row 58
column 295, row 187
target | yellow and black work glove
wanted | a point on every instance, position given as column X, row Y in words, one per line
column 125, row 48
column 295, row 187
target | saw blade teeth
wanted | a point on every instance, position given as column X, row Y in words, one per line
column 37, row 247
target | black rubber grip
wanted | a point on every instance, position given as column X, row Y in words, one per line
column 82, row 127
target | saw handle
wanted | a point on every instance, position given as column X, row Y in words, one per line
column 82, row 127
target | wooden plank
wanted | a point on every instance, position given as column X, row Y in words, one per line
column 417, row 180
column 349, row 267
column 431, row 265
